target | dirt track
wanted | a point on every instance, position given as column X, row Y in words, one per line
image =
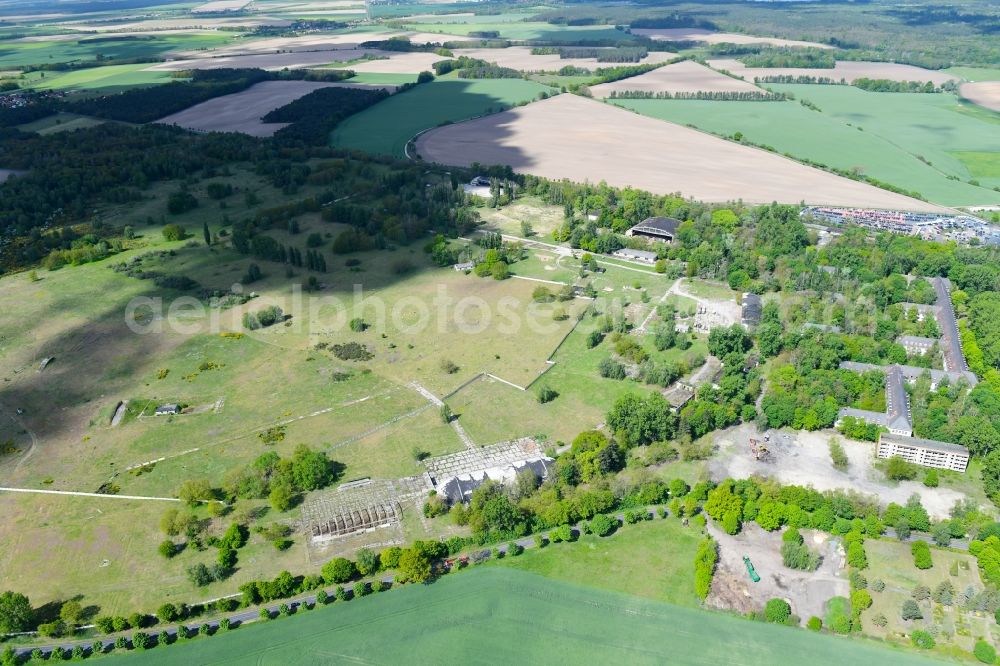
column 242, row 111
column 983, row 93
column 848, row 70
column 681, row 77
column 572, row 137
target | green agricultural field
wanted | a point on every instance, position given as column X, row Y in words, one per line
column 501, row 616
column 975, row 73
column 18, row 53
column 980, row 164
column 60, row 122
column 388, row 79
column 100, row 79
column 884, row 135
column 387, row 127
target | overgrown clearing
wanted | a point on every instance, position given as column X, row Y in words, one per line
column 892, row 563
column 517, row 617
column 883, row 135
column 571, row 137
column 388, row 126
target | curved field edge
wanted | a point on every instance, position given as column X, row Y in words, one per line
column 499, row 615
column 388, row 126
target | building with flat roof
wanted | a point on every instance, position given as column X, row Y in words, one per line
column 644, row 256
column 951, row 344
column 924, row 452
column 752, row 308
column 657, row 228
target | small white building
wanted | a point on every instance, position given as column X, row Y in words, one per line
column 645, row 256
column 168, row 409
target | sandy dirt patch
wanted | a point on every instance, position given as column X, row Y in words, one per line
column 710, row 37
column 803, row 458
column 400, row 63
column 568, row 136
column 848, row 71
column 983, row 93
column 242, row 111
column 681, row 77
column 268, row 61
column 520, row 58
column 806, row 592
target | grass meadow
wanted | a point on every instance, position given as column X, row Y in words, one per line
column 18, row 53
column 885, row 135
column 497, row 615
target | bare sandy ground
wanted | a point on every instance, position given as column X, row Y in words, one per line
column 983, row 93
column 710, row 37
column 803, row 458
column 686, row 76
column 268, row 61
column 568, row 136
column 848, row 70
column 242, row 111
column 400, row 63
column 519, row 57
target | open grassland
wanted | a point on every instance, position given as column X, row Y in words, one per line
column 387, row 127
column 499, row 615
column 533, row 30
column 892, row 562
column 110, row 78
column 651, row 559
column 983, row 93
column 895, row 131
column 712, row 37
column 682, row 77
column 584, row 140
column 844, row 69
column 975, row 73
column 60, row 122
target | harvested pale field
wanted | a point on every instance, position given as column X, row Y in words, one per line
column 572, row 137
column 399, row 63
column 710, row 37
column 195, row 22
column 682, row 77
column 220, row 6
column 303, row 43
column 847, row 70
column 268, row 61
column 983, row 93
column 242, row 111
column 437, row 38
column 520, row 58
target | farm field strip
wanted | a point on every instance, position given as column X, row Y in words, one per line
column 983, row 93
column 844, row 69
column 521, row 58
column 682, row 77
column 571, row 137
column 712, row 37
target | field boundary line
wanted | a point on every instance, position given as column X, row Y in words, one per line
column 478, row 375
column 504, row 381
column 74, row 493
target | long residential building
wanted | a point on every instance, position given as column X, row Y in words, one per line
column 924, row 452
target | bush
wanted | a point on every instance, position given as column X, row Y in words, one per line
column 603, row 525
column 899, row 469
column 985, row 652
column 167, row 613
column 140, row 640
column 263, row 318
column 174, row 232
column 814, row 623
column 777, row 610
column 931, row 478
column 878, row 585
column 922, row 639
column 921, row 555
column 514, row 549
column 545, row 394
column 704, row 566
column 910, row 610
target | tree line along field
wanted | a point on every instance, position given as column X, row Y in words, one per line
column 883, row 134
column 387, row 127
column 504, row 615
